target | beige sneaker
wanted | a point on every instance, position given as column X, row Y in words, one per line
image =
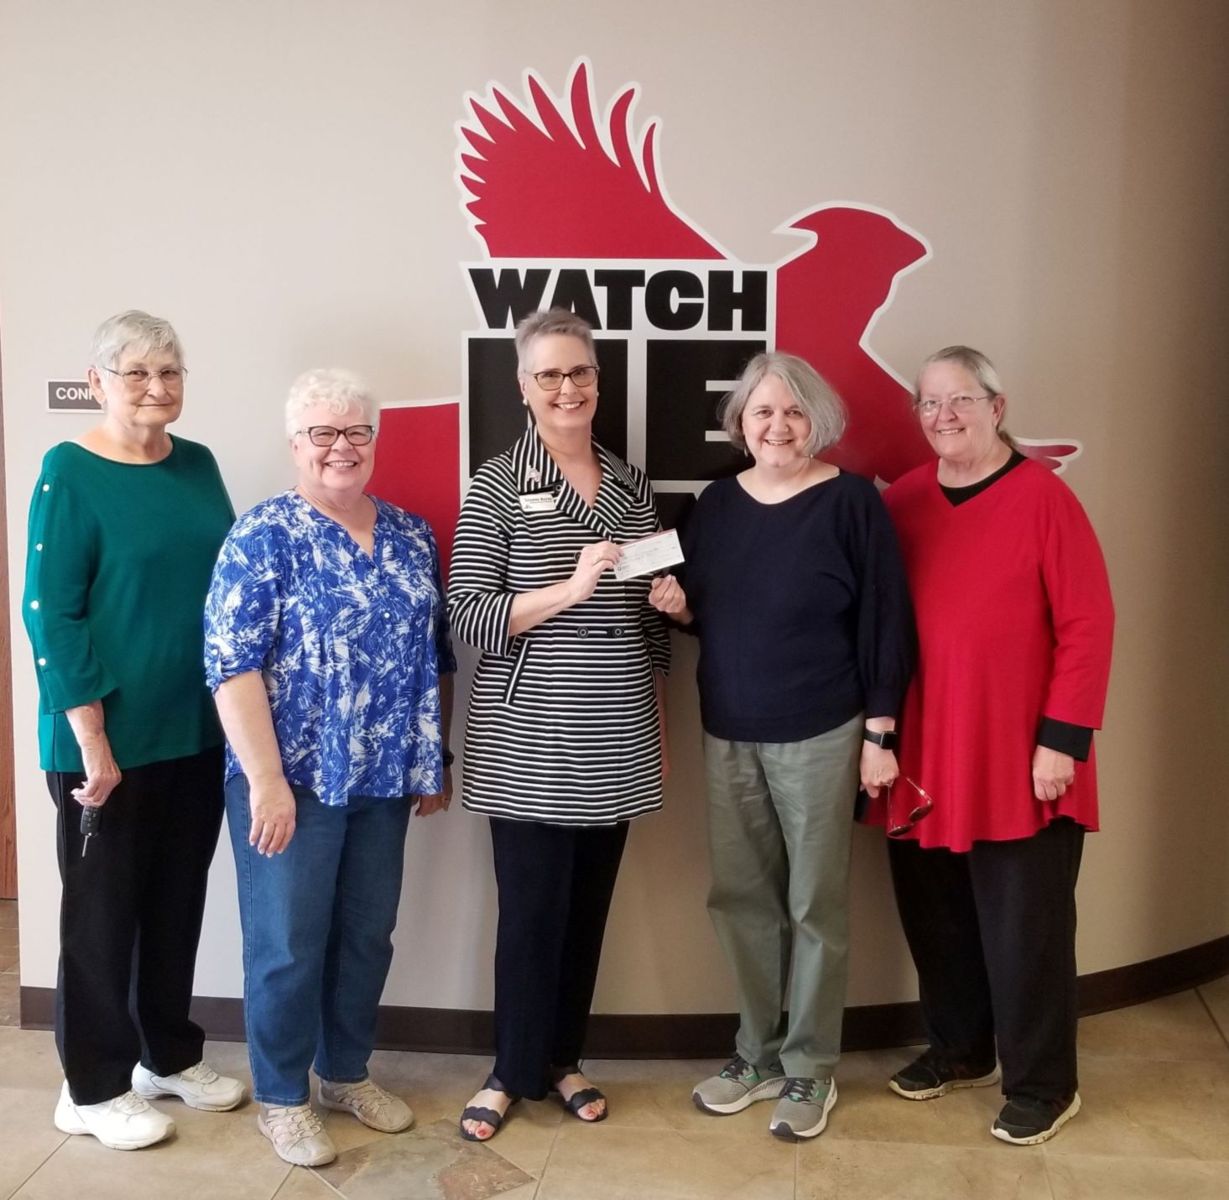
column 123, row 1123
column 376, row 1108
column 296, row 1134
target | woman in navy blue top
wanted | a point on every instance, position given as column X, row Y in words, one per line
column 326, row 644
column 795, row 587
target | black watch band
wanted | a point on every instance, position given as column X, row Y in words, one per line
column 449, row 758
column 885, row 738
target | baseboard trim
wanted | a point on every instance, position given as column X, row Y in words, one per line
column 696, row 1035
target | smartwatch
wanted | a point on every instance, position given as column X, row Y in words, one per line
column 885, row 738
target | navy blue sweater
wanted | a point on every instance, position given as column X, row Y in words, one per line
column 801, row 608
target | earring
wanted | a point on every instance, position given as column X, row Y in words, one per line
column 524, row 402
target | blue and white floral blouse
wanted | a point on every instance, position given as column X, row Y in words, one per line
column 351, row 647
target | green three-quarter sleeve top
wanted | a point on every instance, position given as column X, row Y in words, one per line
column 118, row 565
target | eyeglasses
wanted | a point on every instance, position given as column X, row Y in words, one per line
column 138, row 378
column 327, row 435
column 922, row 804
column 552, row 381
column 959, row 404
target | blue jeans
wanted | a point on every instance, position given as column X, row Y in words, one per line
column 317, row 937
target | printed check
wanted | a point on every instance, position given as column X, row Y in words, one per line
column 649, row 554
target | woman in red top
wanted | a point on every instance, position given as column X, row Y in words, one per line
column 1015, row 622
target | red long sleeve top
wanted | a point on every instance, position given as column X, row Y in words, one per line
column 1015, row 624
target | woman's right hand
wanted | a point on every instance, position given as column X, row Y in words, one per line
column 102, row 773
column 666, row 595
column 273, row 815
column 98, row 763
column 593, row 562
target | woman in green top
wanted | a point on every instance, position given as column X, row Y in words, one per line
column 125, row 525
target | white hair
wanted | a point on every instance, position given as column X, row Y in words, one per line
column 333, row 388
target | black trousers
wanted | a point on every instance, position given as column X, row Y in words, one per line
column 555, row 884
column 992, row 934
column 130, row 921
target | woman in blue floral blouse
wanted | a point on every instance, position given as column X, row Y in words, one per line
column 327, row 646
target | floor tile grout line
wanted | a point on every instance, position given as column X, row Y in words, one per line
column 1045, row 1166
column 335, row 1190
column 550, row 1153
column 281, row 1183
column 1224, row 1035
column 59, row 1146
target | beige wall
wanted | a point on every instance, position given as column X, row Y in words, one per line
column 278, row 179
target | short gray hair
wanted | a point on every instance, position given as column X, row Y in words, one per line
column 973, row 361
column 813, row 393
column 556, row 321
column 136, row 329
column 338, row 390
column 977, row 365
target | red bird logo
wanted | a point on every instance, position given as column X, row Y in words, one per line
column 612, row 246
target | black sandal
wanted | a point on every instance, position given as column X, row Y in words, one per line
column 488, row 1116
column 579, row 1098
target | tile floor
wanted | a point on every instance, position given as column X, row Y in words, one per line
column 1155, row 1124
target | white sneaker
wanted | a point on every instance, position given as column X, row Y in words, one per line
column 123, row 1123
column 376, row 1108
column 198, row 1087
column 296, row 1134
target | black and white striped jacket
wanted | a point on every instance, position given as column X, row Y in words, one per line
column 563, row 724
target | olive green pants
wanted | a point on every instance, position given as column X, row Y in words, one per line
column 780, row 820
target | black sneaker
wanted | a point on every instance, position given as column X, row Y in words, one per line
column 1026, row 1122
column 932, row 1075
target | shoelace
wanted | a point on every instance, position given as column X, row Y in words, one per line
column 130, row 1104
column 736, row 1068
column 297, row 1123
column 200, row 1073
column 364, row 1094
column 799, row 1090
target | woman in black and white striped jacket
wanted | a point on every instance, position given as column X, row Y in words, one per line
column 563, row 744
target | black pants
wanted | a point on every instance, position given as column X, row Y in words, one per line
column 992, row 934
column 130, row 921
column 555, row 884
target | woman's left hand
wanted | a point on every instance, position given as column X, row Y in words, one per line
column 666, row 595
column 878, row 769
column 439, row 802
column 1053, row 773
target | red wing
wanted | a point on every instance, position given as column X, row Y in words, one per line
column 1058, row 456
column 546, row 184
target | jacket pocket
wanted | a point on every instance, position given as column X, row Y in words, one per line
column 518, row 670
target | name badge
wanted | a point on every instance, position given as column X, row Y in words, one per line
column 539, row 502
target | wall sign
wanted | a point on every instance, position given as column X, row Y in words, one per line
column 70, row 395
column 571, row 210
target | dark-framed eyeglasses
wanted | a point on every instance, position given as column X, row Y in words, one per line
column 552, row 381
column 327, row 435
column 922, row 804
column 138, row 378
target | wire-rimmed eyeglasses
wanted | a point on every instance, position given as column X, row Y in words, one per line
column 327, row 435
column 138, row 378
column 958, row 404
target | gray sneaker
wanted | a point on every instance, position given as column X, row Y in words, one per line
column 738, row 1085
column 802, row 1111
